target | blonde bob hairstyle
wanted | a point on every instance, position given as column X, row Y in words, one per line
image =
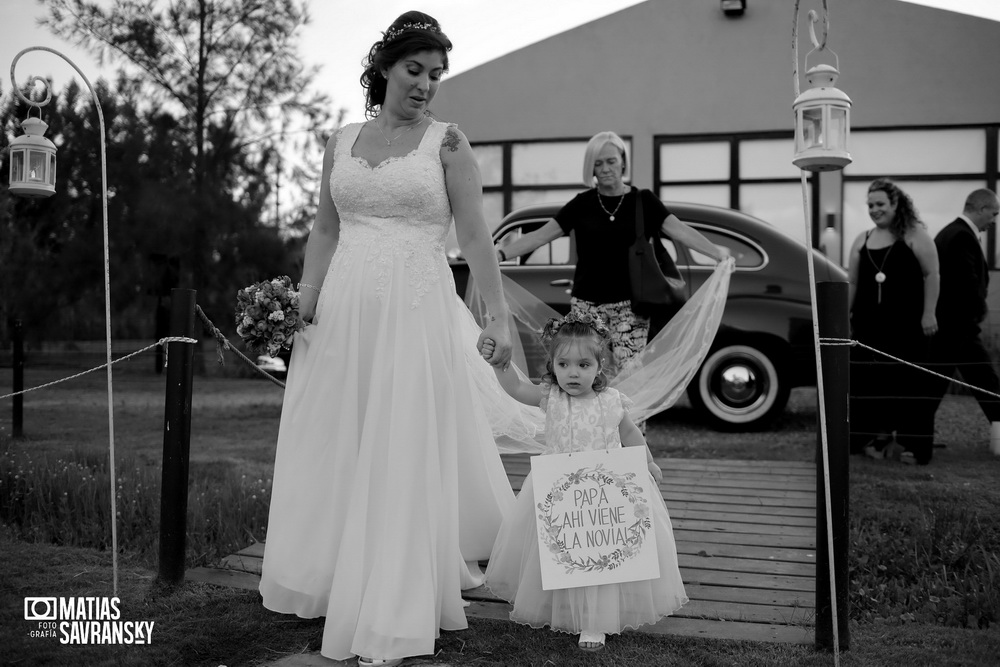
column 594, row 147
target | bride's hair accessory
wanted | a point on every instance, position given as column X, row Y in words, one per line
column 594, row 322
column 393, row 33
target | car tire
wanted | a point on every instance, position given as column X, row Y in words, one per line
column 739, row 388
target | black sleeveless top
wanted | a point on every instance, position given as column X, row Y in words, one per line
column 887, row 315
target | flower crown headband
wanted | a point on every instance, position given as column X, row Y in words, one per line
column 553, row 326
column 393, row 33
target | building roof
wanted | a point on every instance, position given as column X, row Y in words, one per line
column 682, row 67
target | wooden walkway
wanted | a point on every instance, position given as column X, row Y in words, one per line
column 746, row 542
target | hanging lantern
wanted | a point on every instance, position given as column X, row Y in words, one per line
column 822, row 123
column 33, row 161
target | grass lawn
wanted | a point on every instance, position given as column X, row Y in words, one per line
column 924, row 565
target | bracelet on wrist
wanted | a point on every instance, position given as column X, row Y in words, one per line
column 308, row 286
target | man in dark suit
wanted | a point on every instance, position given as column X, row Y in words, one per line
column 961, row 306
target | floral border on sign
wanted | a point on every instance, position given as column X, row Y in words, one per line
column 550, row 532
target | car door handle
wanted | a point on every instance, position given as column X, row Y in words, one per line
column 562, row 282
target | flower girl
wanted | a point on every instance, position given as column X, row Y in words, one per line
column 581, row 414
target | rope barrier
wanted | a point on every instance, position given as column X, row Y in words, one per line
column 168, row 339
column 222, row 344
column 854, row 343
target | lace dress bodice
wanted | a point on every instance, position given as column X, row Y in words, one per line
column 583, row 424
column 396, row 210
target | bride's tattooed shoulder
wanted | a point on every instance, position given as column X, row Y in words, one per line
column 452, row 138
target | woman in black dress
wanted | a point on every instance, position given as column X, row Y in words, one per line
column 893, row 294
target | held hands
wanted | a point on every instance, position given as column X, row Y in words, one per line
column 655, row 471
column 495, row 345
column 724, row 253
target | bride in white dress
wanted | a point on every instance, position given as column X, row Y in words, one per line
column 387, row 478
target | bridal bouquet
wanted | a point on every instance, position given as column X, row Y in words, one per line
column 267, row 315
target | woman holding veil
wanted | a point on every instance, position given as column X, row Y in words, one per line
column 652, row 373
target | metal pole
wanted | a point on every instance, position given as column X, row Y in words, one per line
column 176, row 439
column 17, row 335
column 833, row 323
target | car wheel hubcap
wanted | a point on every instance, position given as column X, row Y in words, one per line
column 738, row 384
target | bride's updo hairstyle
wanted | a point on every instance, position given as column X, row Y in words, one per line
column 410, row 33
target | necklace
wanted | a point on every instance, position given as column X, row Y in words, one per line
column 388, row 141
column 880, row 275
column 611, row 214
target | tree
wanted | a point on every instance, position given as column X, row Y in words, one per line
column 229, row 71
column 216, row 87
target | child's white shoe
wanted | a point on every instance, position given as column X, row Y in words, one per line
column 591, row 641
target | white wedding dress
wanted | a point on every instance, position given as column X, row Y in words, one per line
column 387, row 477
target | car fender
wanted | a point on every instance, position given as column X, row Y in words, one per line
column 787, row 333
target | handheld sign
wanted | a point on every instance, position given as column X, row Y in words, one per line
column 592, row 513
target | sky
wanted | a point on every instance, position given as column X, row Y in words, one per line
column 342, row 31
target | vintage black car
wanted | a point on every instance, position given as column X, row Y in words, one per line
column 764, row 346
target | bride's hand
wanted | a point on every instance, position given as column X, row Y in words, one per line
column 307, row 306
column 498, row 334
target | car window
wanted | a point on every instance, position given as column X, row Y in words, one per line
column 746, row 255
column 556, row 252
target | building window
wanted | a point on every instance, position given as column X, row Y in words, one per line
column 937, row 167
column 752, row 173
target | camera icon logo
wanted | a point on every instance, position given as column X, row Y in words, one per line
column 40, row 609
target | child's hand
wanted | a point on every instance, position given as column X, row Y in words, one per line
column 655, row 471
column 487, row 349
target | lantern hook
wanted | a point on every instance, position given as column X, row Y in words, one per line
column 31, row 82
column 817, row 44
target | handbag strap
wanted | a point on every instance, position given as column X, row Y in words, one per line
column 640, row 232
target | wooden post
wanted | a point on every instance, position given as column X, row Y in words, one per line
column 17, row 336
column 831, row 302
column 176, row 439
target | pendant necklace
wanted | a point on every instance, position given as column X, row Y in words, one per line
column 388, row 141
column 611, row 214
column 880, row 276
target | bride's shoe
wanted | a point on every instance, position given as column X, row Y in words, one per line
column 375, row 662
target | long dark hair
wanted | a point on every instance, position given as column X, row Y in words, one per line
column 410, row 33
column 906, row 217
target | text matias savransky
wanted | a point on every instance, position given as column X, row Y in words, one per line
column 84, row 620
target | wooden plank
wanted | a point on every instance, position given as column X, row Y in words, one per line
column 690, row 467
column 747, row 551
column 749, row 565
column 751, row 613
column 255, row 549
column 736, row 517
column 694, row 490
column 732, row 527
column 735, row 464
column 240, row 563
column 734, row 498
column 803, row 599
column 769, row 510
column 747, row 580
column 749, row 539
column 773, row 484
column 757, row 632
column 687, row 627
column 229, row 578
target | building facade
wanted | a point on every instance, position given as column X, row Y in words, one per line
column 704, row 102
